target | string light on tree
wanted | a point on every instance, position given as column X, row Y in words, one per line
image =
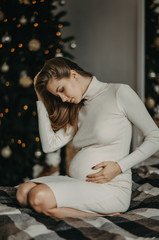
column 12, row 140
column 60, row 26
column 36, row 24
column 36, row 13
column 25, row 107
column 58, row 34
column 5, row 20
column 58, row 50
column 46, row 51
column 34, row 114
column 19, row 25
column 37, row 139
column 14, row 18
column 61, row 42
column 6, row 110
column 12, row 50
column 20, row 45
column 51, row 45
column 23, row 145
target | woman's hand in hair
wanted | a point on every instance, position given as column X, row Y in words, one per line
column 38, row 95
column 109, row 171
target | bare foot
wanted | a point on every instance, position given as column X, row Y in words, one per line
column 112, row 214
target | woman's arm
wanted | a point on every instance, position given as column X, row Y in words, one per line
column 50, row 140
column 135, row 110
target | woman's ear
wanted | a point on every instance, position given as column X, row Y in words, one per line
column 73, row 74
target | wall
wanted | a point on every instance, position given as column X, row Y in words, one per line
column 106, row 36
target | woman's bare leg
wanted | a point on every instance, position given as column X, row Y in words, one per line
column 42, row 200
column 63, row 212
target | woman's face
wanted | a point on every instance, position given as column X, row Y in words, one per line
column 68, row 89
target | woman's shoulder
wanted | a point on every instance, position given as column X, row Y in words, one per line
column 120, row 88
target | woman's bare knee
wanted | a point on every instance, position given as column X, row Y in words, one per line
column 42, row 199
column 22, row 192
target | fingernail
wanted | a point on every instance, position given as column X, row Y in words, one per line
column 93, row 167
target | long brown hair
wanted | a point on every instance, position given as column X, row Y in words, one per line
column 61, row 114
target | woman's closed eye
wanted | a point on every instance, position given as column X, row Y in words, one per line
column 61, row 90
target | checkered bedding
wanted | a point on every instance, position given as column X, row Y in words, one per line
column 141, row 221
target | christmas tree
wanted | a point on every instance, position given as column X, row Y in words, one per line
column 31, row 33
column 152, row 58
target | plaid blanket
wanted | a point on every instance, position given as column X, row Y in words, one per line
column 141, row 221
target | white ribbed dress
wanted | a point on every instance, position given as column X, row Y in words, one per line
column 104, row 134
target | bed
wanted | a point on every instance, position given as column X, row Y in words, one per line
column 141, row 221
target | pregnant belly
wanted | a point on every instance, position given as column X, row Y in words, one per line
column 81, row 165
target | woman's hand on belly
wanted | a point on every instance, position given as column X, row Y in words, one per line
column 110, row 170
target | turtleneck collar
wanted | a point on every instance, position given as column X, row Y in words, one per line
column 94, row 88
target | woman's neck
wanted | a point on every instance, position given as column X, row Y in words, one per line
column 85, row 82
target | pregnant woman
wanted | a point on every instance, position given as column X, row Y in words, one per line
column 98, row 117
